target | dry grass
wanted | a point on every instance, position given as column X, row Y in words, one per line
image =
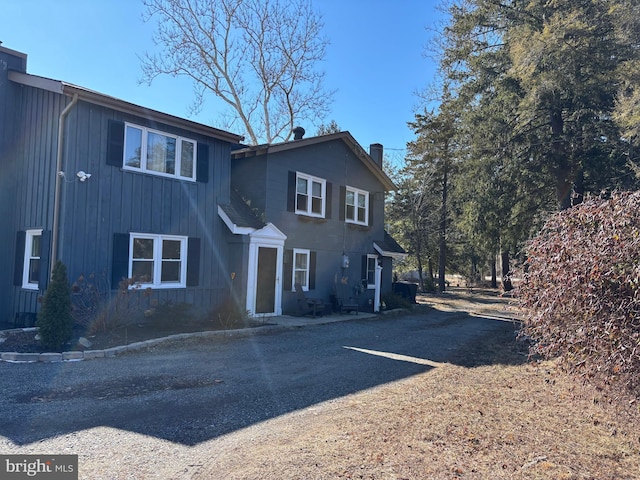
column 529, row 421
column 511, row 422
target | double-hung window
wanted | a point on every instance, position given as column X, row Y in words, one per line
column 32, row 251
column 301, row 268
column 310, row 195
column 356, row 206
column 159, row 153
column 158, row 261
column 372, row 261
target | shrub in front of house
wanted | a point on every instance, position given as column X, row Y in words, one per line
column 581, row 290
column 55, row 322
column 392, row 301
column 228, row 314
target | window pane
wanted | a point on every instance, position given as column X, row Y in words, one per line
column 350, row 212
column 316, row 189
column 301, row 202
column 133, row 147
column 362, row 215
column 34, row 270
column 171, row 249
column 142, row 271
column 361, row 200
column 143, row 248
column 316, row 205
column 371, row 271
column 301, row 186
column 161, row 153
column 170, row 272
column 35, row 246
column 301, row 278
column 371, row 263
column 301, row 261
column 186, row 159
column 350, row 198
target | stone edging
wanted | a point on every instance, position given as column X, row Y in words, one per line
column 75, row 356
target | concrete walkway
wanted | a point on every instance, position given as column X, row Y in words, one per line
column 289, row 321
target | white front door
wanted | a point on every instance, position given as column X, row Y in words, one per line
column 264, row 285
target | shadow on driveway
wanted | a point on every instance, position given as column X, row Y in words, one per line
column 193, row 391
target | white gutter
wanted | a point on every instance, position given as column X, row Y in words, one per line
column 56, row 198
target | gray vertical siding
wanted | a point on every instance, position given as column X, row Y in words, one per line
column 8, row 184
column 335, row 162
column 32, row 156
column 111, row 201
column 118, row 201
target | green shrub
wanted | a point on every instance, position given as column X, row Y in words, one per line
column 581, row 290
column 54, row 319
column 393, row 300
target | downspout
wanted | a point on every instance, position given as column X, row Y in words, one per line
column 56, row 198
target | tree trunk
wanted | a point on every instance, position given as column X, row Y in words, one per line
column 442, row 259
column 494, row 273
column 420, row 275
column 561, row 162
column 506, row 281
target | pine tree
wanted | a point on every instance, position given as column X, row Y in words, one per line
column 54, row 319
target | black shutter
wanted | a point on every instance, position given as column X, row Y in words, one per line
column 45, row 259
column 365, row 276
column 288, row 270
column 18, row 268
column 291, row 192
column 115, row 143
column 202, row 163
column 193, row 262
column 120, row 260
column 312, row 270
column 327, row 212
column 343, row 201
column 370, row 210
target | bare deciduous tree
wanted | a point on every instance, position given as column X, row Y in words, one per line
column 260, row 57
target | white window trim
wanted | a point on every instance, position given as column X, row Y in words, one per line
column 371, row 286
column 143, row 153
column 354, row 220
column 293, row 267
column 310, row 179
column 28, row 244
column 157, row 261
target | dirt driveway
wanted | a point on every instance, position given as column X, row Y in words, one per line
column 435, row 395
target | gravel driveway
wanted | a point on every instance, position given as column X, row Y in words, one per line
column 150, row 413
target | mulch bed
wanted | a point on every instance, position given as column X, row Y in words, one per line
column 25, row 341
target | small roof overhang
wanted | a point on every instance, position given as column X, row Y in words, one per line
column 390, row 248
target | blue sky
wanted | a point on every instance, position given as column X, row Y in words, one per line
column 375, row 60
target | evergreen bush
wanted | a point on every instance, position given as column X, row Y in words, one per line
column 54, row 319
column 581, row 290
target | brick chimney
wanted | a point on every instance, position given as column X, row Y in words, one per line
column 376, row 151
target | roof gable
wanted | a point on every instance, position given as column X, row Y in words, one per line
column 346, row 137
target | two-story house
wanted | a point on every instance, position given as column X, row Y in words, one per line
column 310, row 211
column 121, row 191
column 107, row 187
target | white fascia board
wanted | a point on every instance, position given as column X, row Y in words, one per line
column 235, row 229
column 394, row 255
column 42, row 83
